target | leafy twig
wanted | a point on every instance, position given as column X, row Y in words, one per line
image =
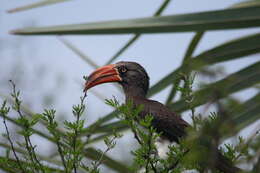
column 145, row 139
column 110, row 143
column 4, row 111
column 175, row 164
column 149, row 160
column 27, row 132
column 77, row 111
column 48, row 116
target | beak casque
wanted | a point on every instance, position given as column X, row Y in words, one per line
column 101, row 75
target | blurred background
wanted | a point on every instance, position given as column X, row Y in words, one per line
column 50, row 75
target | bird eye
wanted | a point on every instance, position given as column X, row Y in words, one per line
column 122, row 69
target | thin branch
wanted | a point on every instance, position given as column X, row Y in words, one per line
column 175, row 164
column 51, row 139
column 75, row 137
column 99, row 162
column 16, row 170
column 23, row 152
column 136, row 136
column 149, row 161
column 33, row 130
column 9, row 139
column 62, row 156
column 28, row 144
column 26, row 111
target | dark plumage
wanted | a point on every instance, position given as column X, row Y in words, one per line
column 166, row 122
column 135, row 82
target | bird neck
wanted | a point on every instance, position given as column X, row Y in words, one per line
column 132, row 92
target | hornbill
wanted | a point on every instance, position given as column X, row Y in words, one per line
column 135, row 82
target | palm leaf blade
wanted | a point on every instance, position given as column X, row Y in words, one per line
column 212, row 20
column 232, row 50
column 36, row 5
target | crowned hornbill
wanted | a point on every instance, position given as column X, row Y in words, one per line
column 135, row 82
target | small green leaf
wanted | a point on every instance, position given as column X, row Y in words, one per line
column 35, row 119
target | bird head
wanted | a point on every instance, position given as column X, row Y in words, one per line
column 131, row 75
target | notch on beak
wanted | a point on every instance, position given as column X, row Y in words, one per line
column 101, row 75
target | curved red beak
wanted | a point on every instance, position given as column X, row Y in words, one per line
column 101, row 75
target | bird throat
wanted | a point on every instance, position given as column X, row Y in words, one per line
column 134, row 91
